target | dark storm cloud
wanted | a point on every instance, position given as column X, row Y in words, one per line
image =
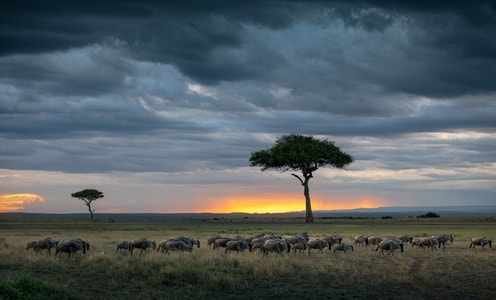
column 127, row 70
column 199, row 37
column 185, row 35
column 82, row 74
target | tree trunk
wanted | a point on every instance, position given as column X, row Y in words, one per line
column 306, row 192
column 91, row 211
column 308, row 203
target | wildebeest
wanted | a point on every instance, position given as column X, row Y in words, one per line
column 238, row 246
column 406, row 238
column 68, row 247
column 277, row 246
column 211, row 240
column 173, row 245
column 190, row 242
column 319, row 244
column 333, row 239
column 373, row 240
column 220, row 243
column 360, row 240
column 443, row 239
column 46, row 244
column 124, row 245
column 142, row 244
column 257, row 245
column 343, row 247
column 271, row 236
column 254, row 236
column 84, row 244
column 390, row 245
column 297, row 238
column 428, row 242
column 481, row 241
column 31, row 245
column 299, row 246
column 71, row 247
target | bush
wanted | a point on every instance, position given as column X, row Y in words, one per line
column 429, row 215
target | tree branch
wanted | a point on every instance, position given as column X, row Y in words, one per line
column 302, row 183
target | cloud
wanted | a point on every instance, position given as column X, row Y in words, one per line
column 181, row 94
column 16, row 202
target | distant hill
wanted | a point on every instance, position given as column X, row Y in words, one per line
column 396, row 212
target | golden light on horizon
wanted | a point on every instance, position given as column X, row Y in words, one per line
column 249, row 204
column 16, row 202
column 285, row 203
column 342, row 204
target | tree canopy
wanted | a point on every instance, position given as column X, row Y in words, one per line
column 88, row 196
column 301, row 153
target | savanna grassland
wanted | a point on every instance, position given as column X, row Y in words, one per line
column 102, row 273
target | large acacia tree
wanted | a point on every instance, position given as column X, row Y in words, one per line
column 88, row 196
column 301, row 153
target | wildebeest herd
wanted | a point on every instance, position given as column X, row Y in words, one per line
column 261, row 243
column 69, row 247
column 174, row 244
column 266, row 243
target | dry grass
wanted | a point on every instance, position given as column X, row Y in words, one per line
column 455, row 273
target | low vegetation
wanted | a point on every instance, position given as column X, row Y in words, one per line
column 457, row 272
column 429, row 215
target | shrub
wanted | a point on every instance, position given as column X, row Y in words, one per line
column 429, row 215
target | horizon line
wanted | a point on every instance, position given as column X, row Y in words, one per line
column 470, row 207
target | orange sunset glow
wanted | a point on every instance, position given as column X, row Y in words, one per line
column 286, row 203
column 15, row 202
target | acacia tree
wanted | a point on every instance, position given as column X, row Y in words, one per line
column 301, row 153
column 88, row 196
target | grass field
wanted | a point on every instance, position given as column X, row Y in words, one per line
column 455, row 273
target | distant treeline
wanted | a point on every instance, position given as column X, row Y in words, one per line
column 429, row 215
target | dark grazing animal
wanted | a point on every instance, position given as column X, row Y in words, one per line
column 360, row 240
column 334, row 239
column 68, row 247
column 84, row 244
column 429, row 242
column 406, row 238
column 237, row 246
column 277, row 246
column 443, row 239
column 297, row 238
column 46, row 244
column 374, row 240
column 481, row 241
column 211, row 240
column 142, row 244
column 343, row 247
column 31, row 245
column 390, row 245
column 124, row 245
column 190, row 242
column 319, row 244
column 221, row 243
column 299, row 246
column 72, row 247
column 173, row 245
column 257, row 245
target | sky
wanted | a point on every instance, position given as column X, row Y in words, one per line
column 160, row 105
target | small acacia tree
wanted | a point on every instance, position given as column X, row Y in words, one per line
column 88, row 196
column 301, row 153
